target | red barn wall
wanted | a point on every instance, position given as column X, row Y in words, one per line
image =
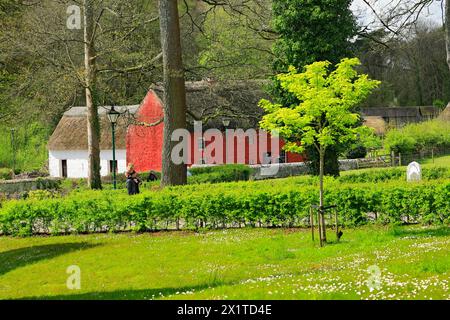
column 144, row 144
column 252, row 152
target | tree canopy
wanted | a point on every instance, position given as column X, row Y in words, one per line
column 324, row 115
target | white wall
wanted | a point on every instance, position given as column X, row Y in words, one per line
column 77, row 162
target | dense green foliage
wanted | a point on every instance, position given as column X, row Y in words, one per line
column 29, row 150
column 6, row 173
column 324, row 116
column 398, row 173
column 312, row 31
column 276, row 202
column 216, row 174
column 419, row 137
column 213, row 174
column 357, row 152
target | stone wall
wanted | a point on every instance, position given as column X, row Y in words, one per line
column 284, row 170
column 24, row 185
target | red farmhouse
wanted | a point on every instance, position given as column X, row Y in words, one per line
column 224, row 107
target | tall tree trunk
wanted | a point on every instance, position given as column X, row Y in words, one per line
column 447, row 30
column 321, row 196
column 93, row 126
column 174, row 90
column 418, row 79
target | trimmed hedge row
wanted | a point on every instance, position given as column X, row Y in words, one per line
column 222, row 173
column 385, row 174
column 222, row 205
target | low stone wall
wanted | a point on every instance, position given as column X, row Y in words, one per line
column 24, row 185
column 281, row 170
column 348, row 164
column 284, row 170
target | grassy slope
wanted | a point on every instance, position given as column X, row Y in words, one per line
column 233, row 264
column 443, row 161
column 439, row 161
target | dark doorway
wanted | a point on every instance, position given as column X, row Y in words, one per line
column 283, row 158
column 64, row 168
column 111, row 166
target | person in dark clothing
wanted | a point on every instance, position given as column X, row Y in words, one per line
column 133, row 180
column 152, row 177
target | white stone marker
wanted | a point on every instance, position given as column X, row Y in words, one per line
column 413, row 172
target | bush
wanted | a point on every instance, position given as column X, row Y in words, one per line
column 206, row 174
column 439, row 104
column 6, row 174
column 419, row 136
column 222, row 173
column 358, row 152
column 42, row 194
column 279, row 203
column 374, row 175
column 30, row 141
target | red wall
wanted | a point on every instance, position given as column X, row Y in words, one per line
column 144, row 144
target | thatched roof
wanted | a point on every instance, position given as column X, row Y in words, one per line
column 445, row 115
column 207, row 101
column 71, row 132
column 401, row 112
column 212, row 102
column 377, row 123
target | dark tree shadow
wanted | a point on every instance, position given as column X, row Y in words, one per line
column 16, row 258
column 144, row 294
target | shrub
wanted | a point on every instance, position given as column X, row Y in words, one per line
column 221, row 173
column 280, row 203
column 357, row 152
column 439, row 104
column 419, row 136
column 6, row 174
column 42, row 194
column 30, row 141
column 386, row 174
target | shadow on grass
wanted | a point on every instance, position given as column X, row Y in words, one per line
column 404, row 231
column 16, row 258
column 143, row 294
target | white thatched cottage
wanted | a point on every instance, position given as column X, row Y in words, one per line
column 68, row 148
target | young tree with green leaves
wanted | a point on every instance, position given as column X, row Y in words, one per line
column 323, row 117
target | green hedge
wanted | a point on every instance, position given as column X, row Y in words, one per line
column 279, row 203
column 222, row 173
column 207, row 174
column 419, row 136
column 399, row 173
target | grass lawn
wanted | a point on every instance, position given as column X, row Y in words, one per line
column 443, row 161
column 231, row 264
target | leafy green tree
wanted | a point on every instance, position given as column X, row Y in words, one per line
column 323, row 117
column 232, row 46
column 311, row 31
